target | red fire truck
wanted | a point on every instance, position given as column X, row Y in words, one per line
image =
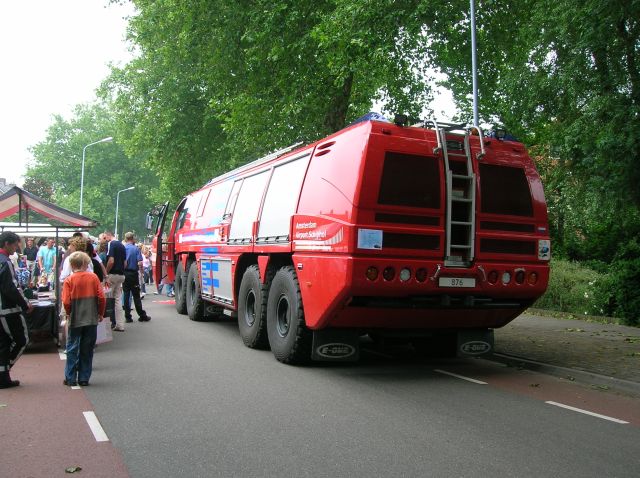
column 430, row 232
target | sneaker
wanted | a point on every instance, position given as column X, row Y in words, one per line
column 171, row 294
column 155, row 292
column 118, row 329
column 146, row 318
column 83, row 383
column 128, row 321
column 142, row 294
column 69, row 384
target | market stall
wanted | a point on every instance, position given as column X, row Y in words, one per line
column 44, row 318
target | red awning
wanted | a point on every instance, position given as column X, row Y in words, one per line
column 16, row 199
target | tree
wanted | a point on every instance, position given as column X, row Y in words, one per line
column 55, row 172
column 39, row 186
column 218, row 83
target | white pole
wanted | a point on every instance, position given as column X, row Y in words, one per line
column 474, row 63
column 82, row 178
column 103, row 140
column 118, row 204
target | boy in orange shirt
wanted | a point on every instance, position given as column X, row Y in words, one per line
column 84, row 302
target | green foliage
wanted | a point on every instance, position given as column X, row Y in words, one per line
column 618, row 294
column 572, row 288
column 219, row 83
column 611, row 291
column 56, row 170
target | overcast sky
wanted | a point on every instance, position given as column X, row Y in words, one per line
column 54, row 54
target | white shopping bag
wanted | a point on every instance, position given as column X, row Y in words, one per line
column 104, row 332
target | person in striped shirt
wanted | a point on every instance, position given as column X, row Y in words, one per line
column 84, row 302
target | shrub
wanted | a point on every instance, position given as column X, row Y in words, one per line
column 572, row 288
column 619, row 294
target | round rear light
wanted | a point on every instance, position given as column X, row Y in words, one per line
column 389, row 273
column 405, row 274
column 372, row 273
column 520, row 277
column 421, row 274
column 493, row 277
column 532, row 279
column 506, row 277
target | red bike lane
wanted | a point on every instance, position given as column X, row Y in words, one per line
column 43, row 428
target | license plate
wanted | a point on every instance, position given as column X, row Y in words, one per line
column 456, row 282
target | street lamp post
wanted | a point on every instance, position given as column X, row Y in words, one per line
column 103, row 140
column 118, row 203
column 474, row 62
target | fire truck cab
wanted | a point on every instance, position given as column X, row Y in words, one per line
column 432, row 232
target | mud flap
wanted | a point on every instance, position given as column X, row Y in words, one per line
column 474, row 342
column 335, row 345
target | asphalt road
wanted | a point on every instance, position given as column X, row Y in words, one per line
column 180, row 398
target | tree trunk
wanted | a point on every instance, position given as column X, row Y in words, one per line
column 338, row 106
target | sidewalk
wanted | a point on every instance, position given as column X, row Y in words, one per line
column 603, row 349
column 43, row 429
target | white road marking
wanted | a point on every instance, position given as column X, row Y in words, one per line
column 587, row 412
column 460, row 376
column 63, row 355
column 76, row 387
column 96, row 428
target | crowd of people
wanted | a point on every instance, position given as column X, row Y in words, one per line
column 98, row 278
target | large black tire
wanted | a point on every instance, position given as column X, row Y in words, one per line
column 289, row 337
column 252, row 309
column 195, row 304
column 179, row 290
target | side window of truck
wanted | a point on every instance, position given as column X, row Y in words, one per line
column 247, row 207
column 231, row 204
column 189, row 205
column 218, row 198
column 281, row 200
column 182, row 218
column 203, row 202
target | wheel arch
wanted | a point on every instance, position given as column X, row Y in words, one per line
column 264, row 262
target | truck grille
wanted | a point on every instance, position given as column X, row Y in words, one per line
column 407, row 219
column 506, row 226
column 502, row 246
column 410, row 180
column 505, row 190
column 410, row 241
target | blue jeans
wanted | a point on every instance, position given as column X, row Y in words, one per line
column 168, row 286
column 80, row 344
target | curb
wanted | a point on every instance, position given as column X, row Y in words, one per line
column 582, row 376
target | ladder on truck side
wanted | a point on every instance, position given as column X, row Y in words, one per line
column 460, row 183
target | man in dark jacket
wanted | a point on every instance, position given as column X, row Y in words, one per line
column 14, row 334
